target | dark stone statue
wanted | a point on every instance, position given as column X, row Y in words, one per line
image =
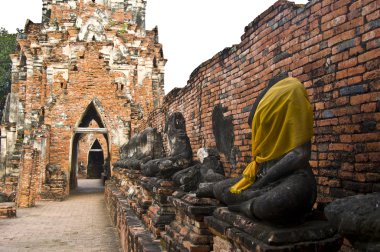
column 179, row 148
column 284, row 187
column 209, row 170
column 357, row 218
column 141, row 148
column 284, row 192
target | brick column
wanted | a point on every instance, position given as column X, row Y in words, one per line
column 26, row 192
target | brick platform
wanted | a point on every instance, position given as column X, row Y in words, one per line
column 7, row 210
column 133, row 234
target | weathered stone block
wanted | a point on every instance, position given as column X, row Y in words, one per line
column 358, row 219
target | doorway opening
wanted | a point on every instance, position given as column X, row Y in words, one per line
column 90, row 148
column 95, row 161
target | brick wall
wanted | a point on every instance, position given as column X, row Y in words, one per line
column 333, row 48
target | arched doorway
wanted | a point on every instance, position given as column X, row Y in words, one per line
column 95, row 161
column 90, row 123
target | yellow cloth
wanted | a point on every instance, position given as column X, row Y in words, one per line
column 283, row 120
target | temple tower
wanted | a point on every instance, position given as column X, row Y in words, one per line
column 90, row 71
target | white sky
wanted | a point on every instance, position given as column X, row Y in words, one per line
column 191, row 31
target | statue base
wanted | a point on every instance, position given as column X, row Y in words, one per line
column 188, row 231
column 133, row 234
column 234, row 232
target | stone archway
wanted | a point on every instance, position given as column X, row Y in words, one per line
column 83, row 127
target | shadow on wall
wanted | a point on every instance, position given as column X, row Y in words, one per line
column 223, row 130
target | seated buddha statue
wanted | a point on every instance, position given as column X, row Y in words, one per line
column 179, row 150
column 278, row 185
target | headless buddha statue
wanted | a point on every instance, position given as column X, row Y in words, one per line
column 278, row 185
column 179, row 148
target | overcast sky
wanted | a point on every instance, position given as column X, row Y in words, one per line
column 191, row 31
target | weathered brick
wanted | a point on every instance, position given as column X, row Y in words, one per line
column 353, row 90
column 373, row 44
column 373, row 16
column 373, row 177
column 358, row 187
column 370, row 8
column 371, row 35
column 344, row 45
column 375, row 74
column 356, row 50
column 373, row 54
column 341, row 37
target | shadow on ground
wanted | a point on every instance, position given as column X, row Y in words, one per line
column 89, row 186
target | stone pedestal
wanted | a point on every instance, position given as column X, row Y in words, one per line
column 147, row 197
column 234, row 232
column 130, row 184
column 188, row 231
column 160, row 212
column 357, row 218
column 7, row 210
column 134, row 236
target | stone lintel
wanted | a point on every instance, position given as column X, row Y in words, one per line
column 91, row 130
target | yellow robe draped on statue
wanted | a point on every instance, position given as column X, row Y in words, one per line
column 283, row 120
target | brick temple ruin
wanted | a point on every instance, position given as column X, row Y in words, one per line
column 331, row 46
column 81, row 82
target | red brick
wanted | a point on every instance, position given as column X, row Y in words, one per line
column 341, row 37
column 354, row 80
column 369, row 55
column 360, row 177
column 347, row 167
column 356, row 70
column 373, row 177
column 374, row 156
column 373, row 16
column 345, row 138
column 368, row 107
column 375, row 74
column 370, row 8
column 341, row 74
column 340, row 3
column 356, row 50
column 334, row 22
column 365, row 137
column 373, row 146
column 348, row 63
column 334, row 14
column 365, row 167
column 373, row 44
column 345, row 175
column 362, row 158
column 371, row 35
column 340, row 147
column 356, row 5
